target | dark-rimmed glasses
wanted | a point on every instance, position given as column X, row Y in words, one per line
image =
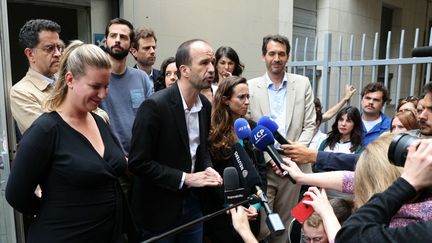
column 50, row 49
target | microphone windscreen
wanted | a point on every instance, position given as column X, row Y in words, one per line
column 230, row 179
column 242, row 128
column 268, row 123
column 245, row 167
column 233, row 192
column 424, row 51
column 261, row 137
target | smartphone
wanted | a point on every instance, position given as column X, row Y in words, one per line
column 302, row 211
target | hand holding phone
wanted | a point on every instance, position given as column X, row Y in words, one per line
column 302, row 211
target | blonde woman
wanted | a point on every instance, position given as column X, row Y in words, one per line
column 70, row 152
column 373, row 174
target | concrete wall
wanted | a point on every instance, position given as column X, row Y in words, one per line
column 240, row 24
column 101, row 13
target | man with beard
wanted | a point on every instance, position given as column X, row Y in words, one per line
column 128, row 87
column 144, row 52
column 374, row 96
column 425, row 117
column 42, row 46
column 288, row 99
column 169, row 155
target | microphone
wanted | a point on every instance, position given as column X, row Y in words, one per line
column 273, row 127
column 231, row 183
column 273, row 221
column 424, row 51
column 242, row 129
column 245, row 167
column 233, row 192
column 263, row 139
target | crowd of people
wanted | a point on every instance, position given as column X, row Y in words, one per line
column 112, row 153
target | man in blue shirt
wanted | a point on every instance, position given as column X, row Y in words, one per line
column 128, row 86
column 288, row 99
column 374, row 96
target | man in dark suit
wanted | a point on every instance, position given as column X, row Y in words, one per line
column 144, row 52
column 169, row 155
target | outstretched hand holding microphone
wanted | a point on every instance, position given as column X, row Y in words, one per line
column 263, row 139
column 273, row 127
column 248, row 172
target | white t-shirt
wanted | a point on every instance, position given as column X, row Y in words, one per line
column 340, row 148
column 370, row 124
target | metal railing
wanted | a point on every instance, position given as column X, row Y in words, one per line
column 326, row 65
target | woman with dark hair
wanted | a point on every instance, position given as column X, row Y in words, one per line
column 346, row 133
column 231, row 102
column 169, row 76
column 227, row 63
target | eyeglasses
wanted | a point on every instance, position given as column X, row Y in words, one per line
column 50, row 49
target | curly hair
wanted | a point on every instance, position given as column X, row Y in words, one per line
column 29, row 33
column 375, row 87
column 222, row 133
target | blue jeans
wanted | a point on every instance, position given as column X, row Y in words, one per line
column 191, row 210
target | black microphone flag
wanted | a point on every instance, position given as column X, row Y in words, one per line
column 245, row 167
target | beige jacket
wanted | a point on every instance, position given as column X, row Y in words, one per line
column 300, row 109
column 27, row 97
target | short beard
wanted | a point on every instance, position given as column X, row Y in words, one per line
column 118, row 55
column 426, row 132
column 199, row 85
column 146, row 63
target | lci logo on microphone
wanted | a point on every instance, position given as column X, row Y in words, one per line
column 259, row 135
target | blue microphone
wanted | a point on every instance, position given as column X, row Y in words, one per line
column 263, row 140
column 273, row 127
column 242, row 129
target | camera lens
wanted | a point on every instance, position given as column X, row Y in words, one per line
column 397, row 152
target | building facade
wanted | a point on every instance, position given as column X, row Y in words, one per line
column 240, row 24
